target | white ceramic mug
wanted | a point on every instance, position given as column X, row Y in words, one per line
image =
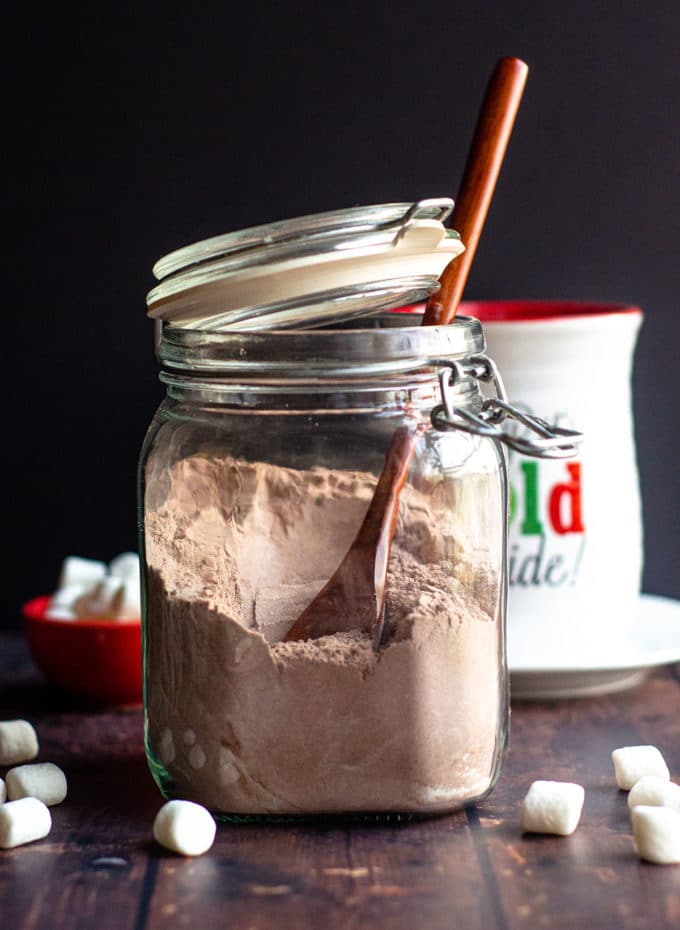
column 575, row 539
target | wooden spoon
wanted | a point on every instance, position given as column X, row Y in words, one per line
column 489, row 142
column 354, row 597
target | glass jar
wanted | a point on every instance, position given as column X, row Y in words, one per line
column 255, row 477
column 296, row 661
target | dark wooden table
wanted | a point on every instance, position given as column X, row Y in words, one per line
column 100, row 869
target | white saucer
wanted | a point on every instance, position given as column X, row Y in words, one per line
column 538, row 671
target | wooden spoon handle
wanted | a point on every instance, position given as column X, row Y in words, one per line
column 489, row 142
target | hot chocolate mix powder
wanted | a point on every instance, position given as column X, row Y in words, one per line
column 245, row 723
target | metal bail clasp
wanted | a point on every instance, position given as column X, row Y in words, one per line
column 434, row 208
column 546, row 441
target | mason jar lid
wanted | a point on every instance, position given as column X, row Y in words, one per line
column 307, row 271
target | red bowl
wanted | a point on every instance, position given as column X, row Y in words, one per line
column 97, row 659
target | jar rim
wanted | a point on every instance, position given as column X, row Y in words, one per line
column 362, row 350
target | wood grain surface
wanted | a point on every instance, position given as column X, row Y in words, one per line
column 100, row 869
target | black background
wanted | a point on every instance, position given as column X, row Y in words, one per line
column 134, row 131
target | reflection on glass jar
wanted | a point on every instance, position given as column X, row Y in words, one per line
column 255, row 477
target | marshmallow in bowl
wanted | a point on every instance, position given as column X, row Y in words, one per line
column 125, row 566
column 110, row 597
column 100, row 599
column 111, row 594
column 128, row 603
column 63, row 601
column 60, row 613
column 77, row 571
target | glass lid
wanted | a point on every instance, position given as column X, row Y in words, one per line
column 307, row 271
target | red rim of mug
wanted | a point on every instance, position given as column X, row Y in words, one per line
column 532, row 311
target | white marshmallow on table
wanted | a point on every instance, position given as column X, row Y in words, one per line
column 185, row 828
column 23, row 822
column 75, row 570
column 653, row 791
column 42, row 780
column 18, row 742
column 552, row 807
column 126, row 566
column 631, row 763
column 657, row 834
column 3, row 791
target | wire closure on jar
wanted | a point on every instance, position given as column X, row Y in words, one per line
column 548, row 442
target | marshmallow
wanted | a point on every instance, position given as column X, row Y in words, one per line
column 551, row 807
column 44, row 781
column 100, row 600
column 18, row 742
column 66, row 597
column 62, row 603
column 657, row 834
column 652, row 791
column 112, row 598
column 23, row 822
column 128, row 602
column 184, row 827
column 631, row 763
column 86, row 591
column 3, row 792
column 75, row 570
column 60, row 613
column 125, row 566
